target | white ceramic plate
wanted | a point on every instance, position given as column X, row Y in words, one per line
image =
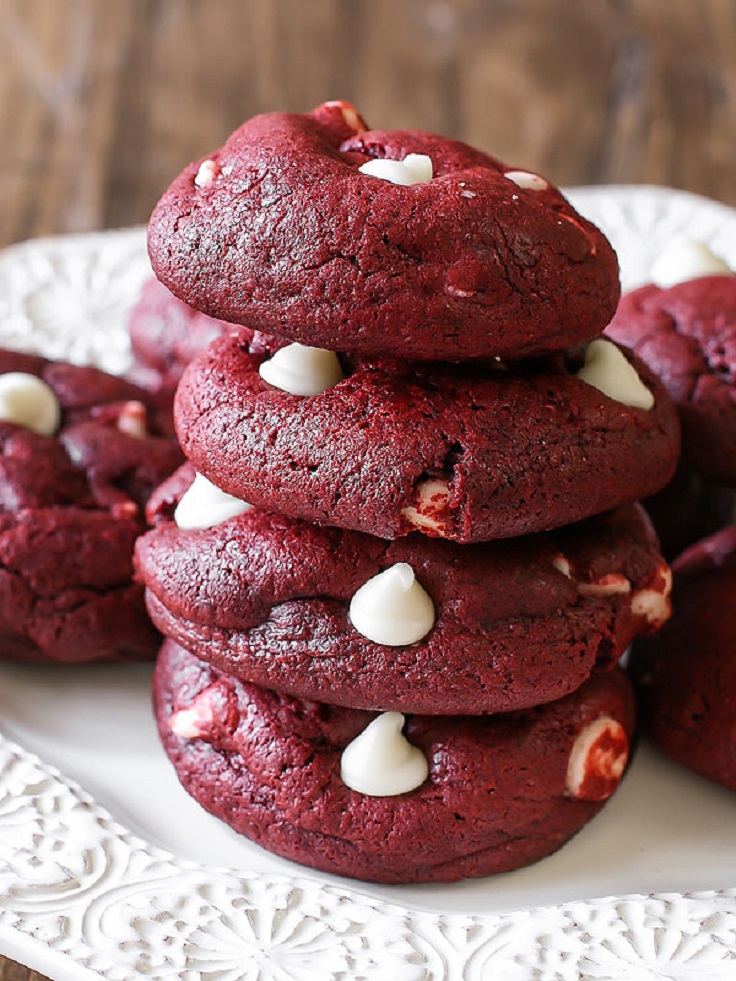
column 129, row 878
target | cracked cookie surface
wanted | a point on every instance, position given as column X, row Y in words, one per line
column 465, row 452
column 280, row 231
column 517, row 623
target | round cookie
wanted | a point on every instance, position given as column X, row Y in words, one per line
column 686, row 677
column 513, row 623
column 72, row 502
column 501, row 792
column 466, row 452
column 166, row 334
column 281, row 231
column 687, row 336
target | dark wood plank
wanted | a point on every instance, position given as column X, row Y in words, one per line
column 100, row 104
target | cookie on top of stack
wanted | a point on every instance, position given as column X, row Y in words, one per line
column 400, row 567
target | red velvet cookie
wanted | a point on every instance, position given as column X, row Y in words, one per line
column 466, row 452
column 687, row 676
column 280, row 231
column 71, row 506
column 512, row 624
column 166, row 334
column 500, row 792
column 687, row 336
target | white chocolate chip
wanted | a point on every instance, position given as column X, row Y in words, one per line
column 562, row 564
column 607, row 369
column 203, row 506
column 193, row 722
column 185, row 724
column 415, row 168
column 207, row 172
column 302, row 370
column 133, row 419
column 653, row 602
column 432, row 499
column 349, row 114
column 29, row 402
column 459, row 292
column 686, row 259
column 393, row 608
column 612, row 584
column 124, row 510
column 530, row 182
column 381, row 762
column 597, row 760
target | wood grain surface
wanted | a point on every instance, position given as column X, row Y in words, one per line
column 102, row 103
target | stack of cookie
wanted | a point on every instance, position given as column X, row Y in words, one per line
column 404, row 552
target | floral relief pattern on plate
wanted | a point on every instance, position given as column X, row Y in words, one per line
column 76, row 881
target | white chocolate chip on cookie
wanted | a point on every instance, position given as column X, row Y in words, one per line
column 686, row 259
column 302, row 370
column 653, row 601
column 530, row 182
column 204, row 505
column 208, row 171
column 133, row 419
column 349, row 113
column 432, row 499
column 393, row 608
column 194, row 721
column 415, row 168
column 612, row 584
column 381, row 762
column 562, row 564
column 597, row 760
column 29, row 402
column 607, row 369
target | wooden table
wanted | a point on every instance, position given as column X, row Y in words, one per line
column 101, row 104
